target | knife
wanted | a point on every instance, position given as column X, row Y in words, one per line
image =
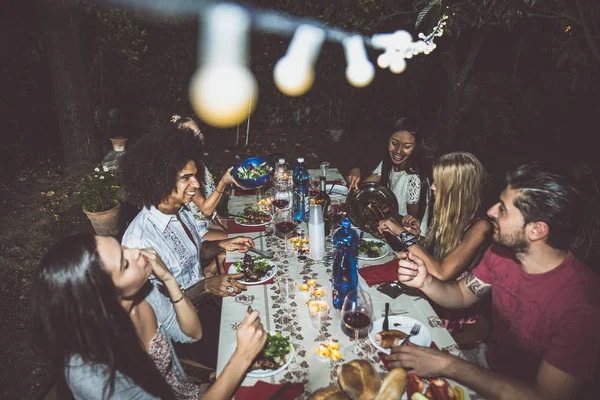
column 264, row 253
column 386, row 323
column 281, row 391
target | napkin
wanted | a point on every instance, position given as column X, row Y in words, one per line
column 228, row 264
column 383, row 356
column 264, row 390
column 244, row 192
column 376, row 274
column 233, row 228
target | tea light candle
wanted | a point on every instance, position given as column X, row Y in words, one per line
column 333, row 345
column 335, row 355
column 311, row 282
column 318, row 292
column 323, row 351
column 304, row 288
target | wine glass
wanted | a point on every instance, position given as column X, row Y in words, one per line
column 282, row 199
column 357, row 316
column 285, row 224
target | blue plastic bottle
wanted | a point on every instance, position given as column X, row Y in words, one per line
column 301, row 182
column 345, row 271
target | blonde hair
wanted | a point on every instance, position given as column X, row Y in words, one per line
column 459, row 178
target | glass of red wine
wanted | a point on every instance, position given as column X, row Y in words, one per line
column 285, row 224
column 357, row 316
column 282, row 199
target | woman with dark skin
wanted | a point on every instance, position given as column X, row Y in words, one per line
column 97, row 317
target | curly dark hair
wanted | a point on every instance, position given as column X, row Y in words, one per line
column 149, row 168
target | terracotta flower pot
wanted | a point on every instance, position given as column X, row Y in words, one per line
column 118, row 143
column 105, row 223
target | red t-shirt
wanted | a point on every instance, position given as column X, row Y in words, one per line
column 554, row 316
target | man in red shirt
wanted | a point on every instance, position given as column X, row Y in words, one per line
column 545, row 337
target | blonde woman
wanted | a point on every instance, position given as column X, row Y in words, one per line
column 459, row 233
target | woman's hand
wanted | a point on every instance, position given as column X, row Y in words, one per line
column 239, row 243
column 251, row 336
column 227, row 179
column 159, row 269
column 412, row 225
column 390, row 225
column 224, row 285
column 353, row 179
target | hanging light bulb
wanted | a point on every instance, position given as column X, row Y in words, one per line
column 294, row 73
column 223, row 91
column 360, row 71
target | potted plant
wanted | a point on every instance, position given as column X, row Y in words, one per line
column 102, row 201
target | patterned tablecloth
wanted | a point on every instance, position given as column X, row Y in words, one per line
column 308, row 367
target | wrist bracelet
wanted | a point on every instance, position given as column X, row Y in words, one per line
column 408, row 239
column 178, row 300
column 218, row 191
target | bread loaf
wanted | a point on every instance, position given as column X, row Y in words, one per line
column 329, row 393
column 359, row 380
column 393, row 385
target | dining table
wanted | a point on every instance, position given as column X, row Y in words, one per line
column 290, row 316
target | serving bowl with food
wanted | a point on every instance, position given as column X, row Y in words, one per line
column 277, row 354
column 254, row 172
column 256, row 269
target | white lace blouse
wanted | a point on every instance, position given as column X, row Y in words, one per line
column 407, row 189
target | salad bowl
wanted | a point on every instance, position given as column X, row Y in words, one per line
column 254, row 172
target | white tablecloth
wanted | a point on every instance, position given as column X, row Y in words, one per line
column 307, row 367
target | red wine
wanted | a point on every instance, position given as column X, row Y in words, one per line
column 313, row 192
column 356, row 321
column 285, row 227
column 281, row 203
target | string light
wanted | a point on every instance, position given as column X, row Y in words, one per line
column 223, row 91
column 359, row 71
column 294, row 73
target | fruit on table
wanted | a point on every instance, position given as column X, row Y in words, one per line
column 459, row 392
column 441, row 389
column 418, row 396
column 414, row 385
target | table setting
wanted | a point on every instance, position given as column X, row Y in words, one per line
column 295, row 300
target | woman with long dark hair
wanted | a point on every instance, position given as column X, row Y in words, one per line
column 404, row 169
column 98, row 318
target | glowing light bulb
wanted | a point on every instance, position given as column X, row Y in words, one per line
column 223, row 95
column 294, row 73
column 293, row 78
column 223, row 91
column 359, row 72
column 398, row 65
column 383, row 60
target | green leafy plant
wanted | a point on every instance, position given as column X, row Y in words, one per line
column 100, row 190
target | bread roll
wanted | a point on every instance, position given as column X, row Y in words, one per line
column 393, row 385
column 329, row 393
column 359, row 379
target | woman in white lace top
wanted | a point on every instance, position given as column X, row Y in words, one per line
column 404, row 170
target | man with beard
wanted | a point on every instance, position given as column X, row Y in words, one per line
column 546, row 303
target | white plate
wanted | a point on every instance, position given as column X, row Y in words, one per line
column 263, row 373
column 338, row 189
column 240, row 221
column 406, row 324
column 386, row 250
column 232, row 271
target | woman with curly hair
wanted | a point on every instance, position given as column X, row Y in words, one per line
column 459, row 233
column 97, row 317
column 404, row 170
column 206, row 200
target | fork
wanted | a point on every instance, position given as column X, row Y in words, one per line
column 414, row 331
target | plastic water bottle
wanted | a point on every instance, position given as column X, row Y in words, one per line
column 301, row 182
column 345, row 271
column 316, row 232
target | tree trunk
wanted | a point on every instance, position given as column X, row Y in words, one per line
column 457, row 77
column 60, row 24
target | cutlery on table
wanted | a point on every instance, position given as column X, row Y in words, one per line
column 414, row 331
column 386, row 322
column 264, row 253
column 279, row 393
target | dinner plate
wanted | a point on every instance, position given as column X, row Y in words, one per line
column 233, row 270
column 240, row 221
column 263, row 373
column 385, row 248
column 423, row 338
column 338, row 189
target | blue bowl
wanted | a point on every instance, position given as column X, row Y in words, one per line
column 257, row 182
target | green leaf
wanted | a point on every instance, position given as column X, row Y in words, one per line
column 425, row 11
